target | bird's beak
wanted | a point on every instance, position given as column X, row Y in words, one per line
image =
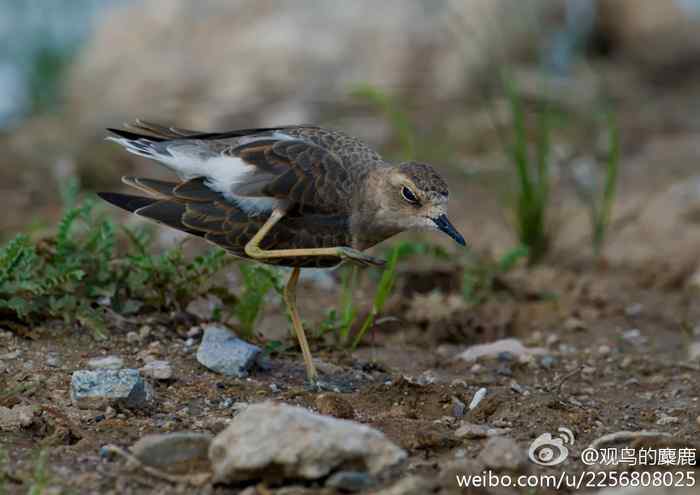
column 443, row 224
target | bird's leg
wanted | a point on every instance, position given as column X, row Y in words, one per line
column 290, row 299
column 253, row 249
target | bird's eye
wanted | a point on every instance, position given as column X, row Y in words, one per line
column 408, row 195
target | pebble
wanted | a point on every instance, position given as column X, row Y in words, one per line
column 132, row 337
column 458, row 408
column 106, row 363
column 574, row 324
column 16, row 417
column 604, row 350
column 94, row 389
column 478, row 397
column 665, row 420
column 178, row 450
column 10, row 355
column 634, row 309
column 502, row 453
column 472, row 431
column 53, row 360
column 144, row 332
column 548, row 361
column 221, row 351
column 194, row 332
column 158, row 370
column 273, row 441
column 492, row 350
column 694, row 351
column 350, row 481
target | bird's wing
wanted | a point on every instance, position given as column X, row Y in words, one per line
column 257, row 169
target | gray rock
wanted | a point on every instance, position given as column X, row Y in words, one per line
column 273, row 441
column 502, row 453
column 174, row 452
column 458, row 408
column 350, row 481
column 53, row 360
column 96, row 389
column 106, row 363
column 223, row 352
column 158, row 370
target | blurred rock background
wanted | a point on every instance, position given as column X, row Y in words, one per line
column 70, row 68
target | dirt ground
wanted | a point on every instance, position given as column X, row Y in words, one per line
column 617, row 334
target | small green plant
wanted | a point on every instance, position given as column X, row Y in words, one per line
column 532, row 196
column 78, row 273
column 257, row 282
column 40, row 479
column 601, row 211
column 481, row 276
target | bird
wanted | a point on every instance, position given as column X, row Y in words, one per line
column 296, row 196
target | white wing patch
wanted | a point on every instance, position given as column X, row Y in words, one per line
column 222, row 173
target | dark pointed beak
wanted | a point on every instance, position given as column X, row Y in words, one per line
column 444, row 224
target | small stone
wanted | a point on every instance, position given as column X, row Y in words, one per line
column 694, row 351
column 221, row 351
column 175, row 452
column 10, row 355
column 16, row 417
column 476, row 368
column 587, row 370
column 547, row 361
column 574, row 324
column 144, row 332
column 604, row 350
column 458, row 408
column 335, row 405
column 158, row 370
column 665, row 420
column 492, row 350
column 516, row 387
column 194, row 332
column 132, row 337
column 478, row 397
column 350, row 481
column 95, row 389
column 626, row 362
column 272, row 441
column 504, row 370
column 472, row 431
column 502, row 453
column 53, row 360
column 634, row 310
column 106, row 363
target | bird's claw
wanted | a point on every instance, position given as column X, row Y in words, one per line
column 360, row 258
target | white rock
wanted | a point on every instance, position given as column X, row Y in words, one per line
column 274, row 441
column 15, row 418
column 493, row 349
column 478, row 397
column 106, row 363
column 502, row 453
column 158, row 370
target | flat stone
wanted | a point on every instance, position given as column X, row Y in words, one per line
column 16, row 417
column 273, row 441
column 181, row 452
column 350, row 481
column 470, row 430
column 221, row 351
column 158, row 370
column 106, row 363
column 502, row 453
column 97, row 389
column 493, row 349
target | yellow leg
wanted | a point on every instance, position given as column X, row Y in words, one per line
column 253, row 249
column 290, row 299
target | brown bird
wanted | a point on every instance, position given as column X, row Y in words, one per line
column 297, row 196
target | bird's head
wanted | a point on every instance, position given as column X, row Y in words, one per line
column 415, row 197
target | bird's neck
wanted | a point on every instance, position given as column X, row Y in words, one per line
column 367, row 224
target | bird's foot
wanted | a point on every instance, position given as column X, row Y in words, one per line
column 360, row 258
